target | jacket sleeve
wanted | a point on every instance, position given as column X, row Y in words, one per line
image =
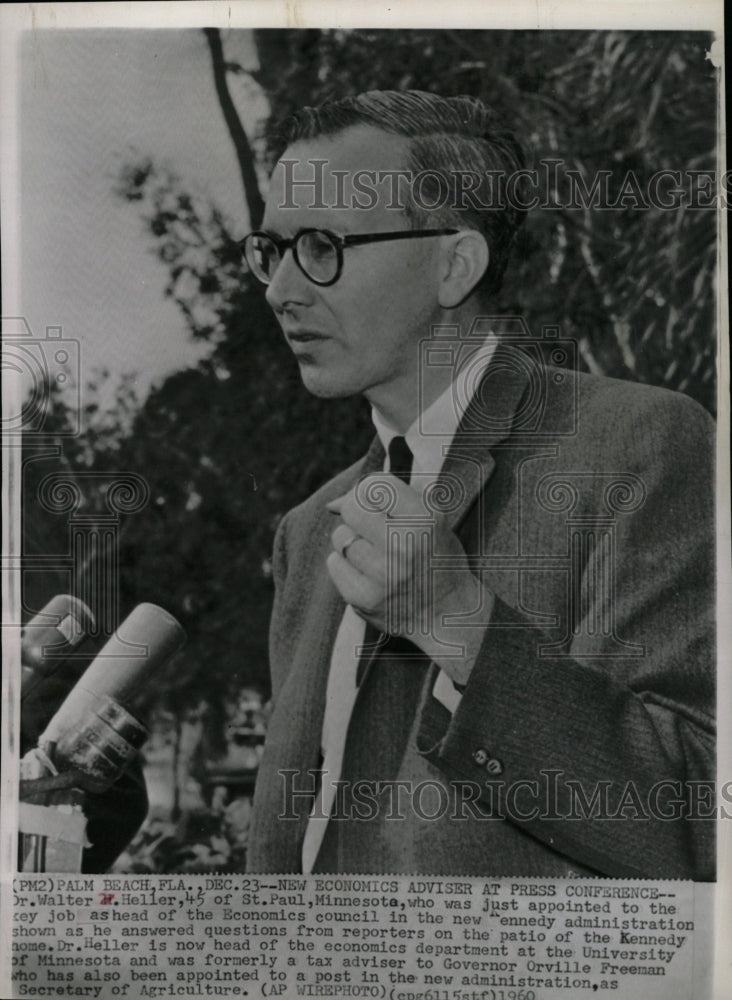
column 608, row 755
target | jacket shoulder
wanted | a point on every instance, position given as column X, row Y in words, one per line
column 651, row 421
column 620, row 414
column 613, row 392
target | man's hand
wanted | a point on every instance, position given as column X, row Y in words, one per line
column 384, row 566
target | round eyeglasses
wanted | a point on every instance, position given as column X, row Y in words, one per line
column 317, row 252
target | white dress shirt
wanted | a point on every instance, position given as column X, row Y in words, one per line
column 429, row 439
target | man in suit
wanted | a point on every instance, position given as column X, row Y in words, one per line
column 492, row 642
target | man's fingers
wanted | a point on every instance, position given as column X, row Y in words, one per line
column 354, row 587
column 382, row 494
column 334, row 506
column 359, row 552
column 367, row 508
column 342, row 538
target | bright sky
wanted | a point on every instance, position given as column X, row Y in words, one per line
column 90, row 101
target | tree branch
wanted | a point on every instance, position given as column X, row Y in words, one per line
column 243, row 150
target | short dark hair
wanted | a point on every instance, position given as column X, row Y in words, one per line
column 448, row 136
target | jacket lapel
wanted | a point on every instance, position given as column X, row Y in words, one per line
column 373, row 460
column 487, row 421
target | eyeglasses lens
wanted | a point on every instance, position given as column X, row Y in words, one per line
column 262, row 257
column 315, row 252
column 318, row 256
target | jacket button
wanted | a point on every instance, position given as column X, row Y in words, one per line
column 494, row 766
column 480, row 756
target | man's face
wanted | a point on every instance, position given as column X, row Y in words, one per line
column 361, row 334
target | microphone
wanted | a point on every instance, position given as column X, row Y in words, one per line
column 93, row 731
column 50, row 637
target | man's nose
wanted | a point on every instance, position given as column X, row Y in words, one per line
column 288, row 284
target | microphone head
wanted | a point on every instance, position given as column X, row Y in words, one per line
column 93, row 730
column 144, row 641
column 53, row 633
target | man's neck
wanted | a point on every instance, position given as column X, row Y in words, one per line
column 401, row 402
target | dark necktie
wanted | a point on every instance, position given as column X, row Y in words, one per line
column 400, row 465
column 400, row 459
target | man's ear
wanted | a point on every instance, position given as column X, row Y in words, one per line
column 466, row 257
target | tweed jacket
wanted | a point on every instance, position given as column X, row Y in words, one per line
column 586, row 506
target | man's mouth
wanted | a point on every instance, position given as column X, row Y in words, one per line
column 304, row 337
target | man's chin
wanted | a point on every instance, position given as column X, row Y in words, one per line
column 325, row 387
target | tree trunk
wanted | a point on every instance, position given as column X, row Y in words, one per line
column 244, row 155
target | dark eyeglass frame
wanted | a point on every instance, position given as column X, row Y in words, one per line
column 339, row 243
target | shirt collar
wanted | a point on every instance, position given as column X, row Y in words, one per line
column 430, row 436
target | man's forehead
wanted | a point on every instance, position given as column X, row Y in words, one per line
column 331, row 172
